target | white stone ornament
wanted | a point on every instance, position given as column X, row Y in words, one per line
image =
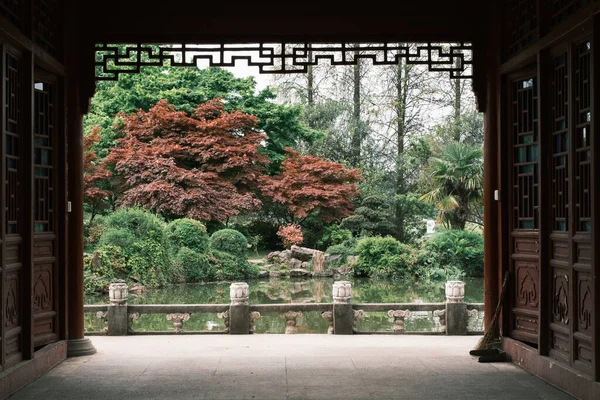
column 118, row 292
column 342, row 292
column 238, row 293
column 455, row 291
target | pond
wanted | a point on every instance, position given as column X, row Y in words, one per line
column 296, row 290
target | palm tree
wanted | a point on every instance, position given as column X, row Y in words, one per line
column 456, row 185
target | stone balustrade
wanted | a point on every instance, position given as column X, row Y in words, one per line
column 452, row 317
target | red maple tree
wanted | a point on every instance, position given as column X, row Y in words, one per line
column 204, row 166
column 311, row 185
column 95, row 175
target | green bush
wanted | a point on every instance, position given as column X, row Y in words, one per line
column 383, row 256
column 229, row 241
column 188, row 233
column 228, row 267
column 342, row 250
column 195, row 266
column 455, row 250
column 334, row 235
column 133, row 246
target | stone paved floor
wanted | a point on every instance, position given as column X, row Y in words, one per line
column 286, row 367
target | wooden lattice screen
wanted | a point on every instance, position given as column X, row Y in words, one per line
column 521, row 22
column 12, row 272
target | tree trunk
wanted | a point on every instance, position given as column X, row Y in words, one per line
column 457, row 105
column 356, row 122
column 401, row 99
column 310, row 88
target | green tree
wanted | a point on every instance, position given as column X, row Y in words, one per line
column 186, row 88
column 456, row 184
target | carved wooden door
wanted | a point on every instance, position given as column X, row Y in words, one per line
column 524, row 181
column 45, row 288
column 12, row 282
column 571, row 268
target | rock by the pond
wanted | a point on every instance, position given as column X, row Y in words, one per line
column 286, row 255
column 137, row 288
column 332, row 258
column 302, row 253
column 327, row 273
column 273, row 256
column 263, row 274
column 257, row 262
column 274, row 274
column 295, row 264
column 295, row 273
column 95, row 262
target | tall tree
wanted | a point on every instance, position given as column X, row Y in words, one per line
column 456, row 185
column 204, row 166
column 311, row 186
column 96, row 188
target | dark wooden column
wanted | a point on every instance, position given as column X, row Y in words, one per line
column 491, row 169
column 78, row 345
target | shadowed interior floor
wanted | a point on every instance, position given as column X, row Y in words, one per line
column 286, row 367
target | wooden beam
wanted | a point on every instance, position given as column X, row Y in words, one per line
column 27, row 207
column 595, row 197
column 490, row 179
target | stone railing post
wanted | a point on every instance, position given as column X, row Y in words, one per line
column 117, row 310
column 239, row 316
column 343, row 315
column 456, row 308
column 291, row 321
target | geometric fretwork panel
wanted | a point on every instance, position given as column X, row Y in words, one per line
column 12, row 142
column 11, row 10
column 561, row 9
column 560, row 144
column 45, row 24
column 43, row 157
column 521, row 24
column 277, row 58
column 525, row 154
column 583, row 137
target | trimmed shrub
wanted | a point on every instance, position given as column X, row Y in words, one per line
column 455, row 250
column 228, row 267
column 383, row 256
column 229, row 241
column 196, row 267
column 341, row 250
column 334, row 235
column 188, row 233
column 134, row 246
column 290, row 235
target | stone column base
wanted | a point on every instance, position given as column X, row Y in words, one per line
column 80, row 347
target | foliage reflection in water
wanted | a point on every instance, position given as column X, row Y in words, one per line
column 293, row 291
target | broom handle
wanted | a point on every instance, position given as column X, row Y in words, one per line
column 501, row 300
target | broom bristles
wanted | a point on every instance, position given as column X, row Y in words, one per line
column 491, row 339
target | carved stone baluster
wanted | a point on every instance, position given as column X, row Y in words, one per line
column 132, row 317
column 358, row 314
column 328, row 315
column 290, row 324
column 442, row 316
column 399, row 316
column 254, row 315
column 178, row 319
column 225, row 317
column 104, row 317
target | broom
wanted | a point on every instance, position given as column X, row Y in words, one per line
column 491, row 339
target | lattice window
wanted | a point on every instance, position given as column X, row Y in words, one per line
column 560, row 144
column 521, row 24
column 45, row 24
column 279, row 58
column 43, row 157
column 12, row 144
column 11, row 9
column 583, row 133
column 525, row 162
column 561, row 9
